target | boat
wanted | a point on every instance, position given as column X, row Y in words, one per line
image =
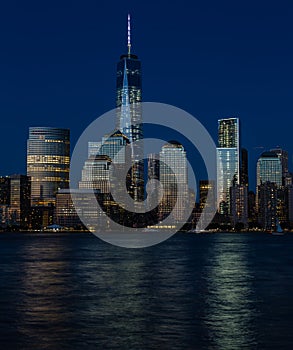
column 279, row 231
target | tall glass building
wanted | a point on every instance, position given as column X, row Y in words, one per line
column 129, row 115
column 128, row 98
column 113, row 145
column 283, row 155
column 228, row 161
column 269, row 201
column 48, row 158
column 269, row 168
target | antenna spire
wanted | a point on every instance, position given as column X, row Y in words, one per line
column 128, row 34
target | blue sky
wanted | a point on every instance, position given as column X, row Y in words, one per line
column 213, row 59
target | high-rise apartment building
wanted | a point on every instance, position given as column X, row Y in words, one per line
column 228, row 161
column 48, row 158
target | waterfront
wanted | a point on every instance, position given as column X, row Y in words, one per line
column 213, row 291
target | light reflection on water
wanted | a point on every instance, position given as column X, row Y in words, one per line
column 191, row 292
column 230, row 313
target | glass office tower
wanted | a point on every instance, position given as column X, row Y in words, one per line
column 129, row 115
column 269, row 168
column 48, row 157
column 283, row 155
column 113, row 145
column 269, row 191
column 128, row 98
column 228, row 161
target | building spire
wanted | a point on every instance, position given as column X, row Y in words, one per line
column 128, row 34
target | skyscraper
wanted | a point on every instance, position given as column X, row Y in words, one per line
column 96, row 174
column 267, row 205
column 239, row 204
column 175, row 184
column 19, row 210
column 128, row 98
column 283, row 156
column 4, row 199
column 48, row 157
column 129, row 116
column 228, row 161
column 113, row 145
column 153, row 174
column 269, row 168
column 4, row 190
column 244, row 167
column 269, row 190
column 207, row 187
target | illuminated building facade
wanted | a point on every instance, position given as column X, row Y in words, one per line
column 283, row 156
column 4, row 200
column 96, row 174
column 66, row 215
column 129, row 115
column 269, row 168
column 228, row 161
column 270, row 195
column 239, row 204
column 41, row 217
column 206, row 187
column 175, row 184
column 4, row 190
column 128, row 87
column 48, row 158
column 111, row 146
column 290, row 205
column 267, row 205
column 19, row 209
column 153, row 174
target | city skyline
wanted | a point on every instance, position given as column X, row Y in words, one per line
column 49, row 172
column 257, row 94
column 164, row 130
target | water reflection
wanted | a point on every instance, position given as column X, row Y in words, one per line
column 230, row 314
column 44, row 282
column 192, row 292
column 133, row 297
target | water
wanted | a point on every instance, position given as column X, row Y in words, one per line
column 216, row 291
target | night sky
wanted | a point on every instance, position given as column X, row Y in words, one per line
column 215, row 59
